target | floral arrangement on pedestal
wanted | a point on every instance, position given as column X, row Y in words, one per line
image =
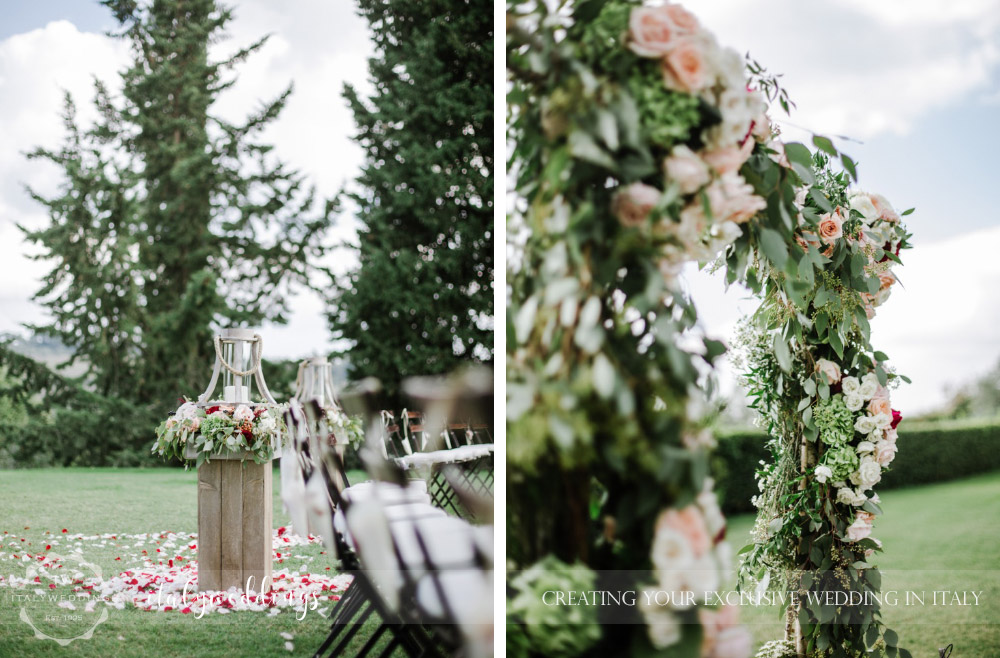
column 220, row 428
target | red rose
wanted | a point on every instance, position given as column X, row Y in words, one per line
column 212, row 410
column 247, row 434
column 896, row 417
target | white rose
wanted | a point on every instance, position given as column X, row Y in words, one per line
column 850, row 385
column 187, row 411
column 702, row 577
column 845, row 496
column 823, row 473
column 671, row 551
column 859, row 499
column 685, row 168
column 724, row 234
column 868, row 389
column 662, row 624
column 882, row 421
column 866, row 446
column 864, row 205
column 869, row 473
column 853, row 402
column 864, row 424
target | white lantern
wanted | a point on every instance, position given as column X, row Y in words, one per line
column 237, row 358
column 315, row 382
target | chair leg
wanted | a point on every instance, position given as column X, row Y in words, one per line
column 352, row 631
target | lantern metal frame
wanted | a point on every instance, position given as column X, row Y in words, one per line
column 240, row 339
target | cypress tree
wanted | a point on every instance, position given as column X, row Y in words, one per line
column 421, row 300
column 185, row 220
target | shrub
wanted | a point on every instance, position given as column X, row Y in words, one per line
column 928, row 452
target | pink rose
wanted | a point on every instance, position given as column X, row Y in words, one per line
column 723, row 637
column 860, row 529
column 879, row 406
column 885, row 452
column 683, row 20
column 733, row 643
column 831, row 227
column 729, row 158
column 884, row 208
column 891, row 435
column 686, row 169
column 830, row 369
column 633, row 204
column 690, row 523
column 653, row 31
column 242, row 413
column 684, row 67
column 732, row 199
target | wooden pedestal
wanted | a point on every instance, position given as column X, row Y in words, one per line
column 234, row 525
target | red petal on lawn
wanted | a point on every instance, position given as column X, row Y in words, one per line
column 186, row 610
column 64, row 530
column 48, row 547
column 52, row 585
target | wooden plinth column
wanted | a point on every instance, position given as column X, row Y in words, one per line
column 234, row 525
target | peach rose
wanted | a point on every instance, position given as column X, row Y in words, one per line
column 879, row 406
column 684, row 67
column 683, row 20
column 884, row 208
column 690, row 523
column 831, row 227
column 633, row 204
column 891, row 435
column 652, row 31
column 830, row 369
column 686, row 169
column 886, row 279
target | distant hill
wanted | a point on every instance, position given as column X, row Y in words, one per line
column 978, row 399
column 47, row 350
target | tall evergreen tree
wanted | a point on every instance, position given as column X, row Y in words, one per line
column 171, row 219
column 421, row 301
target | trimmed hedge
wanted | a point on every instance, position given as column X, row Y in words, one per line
column 928, row 452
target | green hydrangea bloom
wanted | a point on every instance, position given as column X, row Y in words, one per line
column 550, row 630
column 842, row 460
column 834, row 420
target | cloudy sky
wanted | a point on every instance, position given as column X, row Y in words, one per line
column 48, row 47
column 916, row 84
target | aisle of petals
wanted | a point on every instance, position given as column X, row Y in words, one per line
column 164, row 577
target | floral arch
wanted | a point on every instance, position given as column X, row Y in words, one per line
column 640, row 144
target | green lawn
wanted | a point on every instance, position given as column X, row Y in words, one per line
column 936, row 537
column 133, row 501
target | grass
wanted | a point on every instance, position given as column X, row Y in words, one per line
column 936, row 537
column 35, row 505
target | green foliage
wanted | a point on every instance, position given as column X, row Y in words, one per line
column 421, row 301
column 51, row 421
column 170, row 219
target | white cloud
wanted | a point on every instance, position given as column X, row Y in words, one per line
column 861, row 68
